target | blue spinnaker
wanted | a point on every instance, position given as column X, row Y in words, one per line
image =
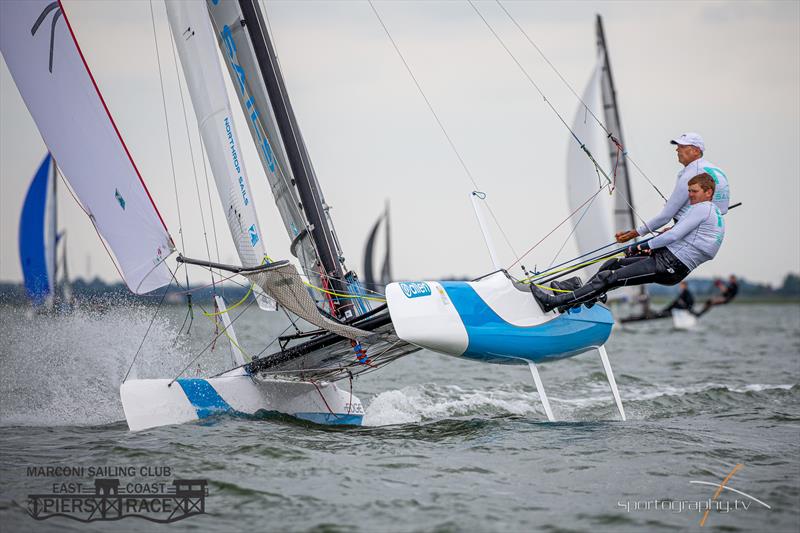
column 32, row 236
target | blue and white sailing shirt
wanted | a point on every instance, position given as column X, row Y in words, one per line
column 678, row 202
column 696, row 237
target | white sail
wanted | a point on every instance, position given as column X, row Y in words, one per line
column 48, row 67
column 197, row 48
column 593, row 222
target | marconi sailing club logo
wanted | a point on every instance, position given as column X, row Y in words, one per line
column 104, row 493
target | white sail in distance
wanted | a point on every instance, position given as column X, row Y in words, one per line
column 197, row 47
column 48, row 67
column 593, row 223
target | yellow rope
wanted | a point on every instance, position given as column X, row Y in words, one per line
column 247, row 356
column 234, row 306
column 320, row 289
column 549, row 288
column 579, row 265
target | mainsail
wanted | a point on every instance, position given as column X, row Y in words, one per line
column 592, row 223
column 37, row 235
column 253, row 67
column 47, row 65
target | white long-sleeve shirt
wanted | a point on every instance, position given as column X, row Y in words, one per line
column 678, row 202
column 696, row 237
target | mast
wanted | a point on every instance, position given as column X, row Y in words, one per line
column 253, row 66
column 299, row 160
column 624, row 217
column 623, row 203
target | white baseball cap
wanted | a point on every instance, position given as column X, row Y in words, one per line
column 690, row 139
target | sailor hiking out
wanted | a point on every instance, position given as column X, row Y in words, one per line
column 727, row 293
column 666, row 259
column 690, row 148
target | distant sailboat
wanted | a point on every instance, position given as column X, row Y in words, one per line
column 596, row 224
column 37, row 236
column 371, row 282
column 39, row 239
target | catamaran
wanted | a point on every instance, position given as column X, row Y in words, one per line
column 493, row 319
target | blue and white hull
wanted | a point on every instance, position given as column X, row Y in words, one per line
column 497, row 320
column 493, row 320
column 154, row 402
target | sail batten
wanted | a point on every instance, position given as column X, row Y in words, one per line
column 68, row 108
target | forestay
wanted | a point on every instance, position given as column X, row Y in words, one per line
column 45, row 60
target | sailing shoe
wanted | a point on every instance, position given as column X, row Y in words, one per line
column 545, row 300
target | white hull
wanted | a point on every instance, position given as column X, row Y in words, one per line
column 154, row 402
column 683, row 319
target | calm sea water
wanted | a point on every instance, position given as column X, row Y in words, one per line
column 448, row 445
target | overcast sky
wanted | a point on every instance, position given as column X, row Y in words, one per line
column 728, row 70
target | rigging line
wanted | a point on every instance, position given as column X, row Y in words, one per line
column 158, row 308
column 210, row 204
column 551, row 268
column 191, row 150
column 586, row 107
column 559, row 225
column 169, row 136
column 217, row 336
column 541, row 93
column 439, row 122
column 263, row 6
column 574, row 229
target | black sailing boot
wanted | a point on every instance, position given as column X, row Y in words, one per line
column 546, row 301
column 565, row 300
column 568, row 284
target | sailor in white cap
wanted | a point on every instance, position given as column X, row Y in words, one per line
column 690, row 148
